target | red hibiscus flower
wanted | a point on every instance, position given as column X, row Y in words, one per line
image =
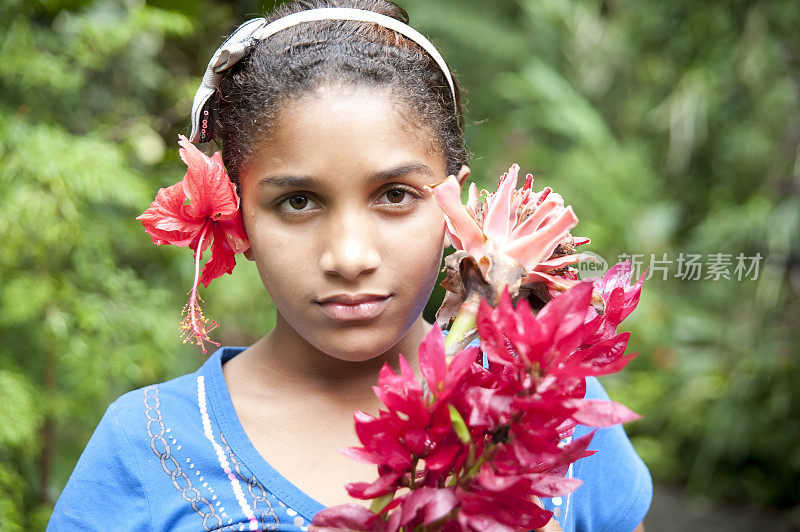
column 199, row 211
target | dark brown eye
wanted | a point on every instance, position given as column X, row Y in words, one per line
column 395, row 195
column 298, row 202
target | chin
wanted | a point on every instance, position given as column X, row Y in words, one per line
column 358, row 345
column 356, row 352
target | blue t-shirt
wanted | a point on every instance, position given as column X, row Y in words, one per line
column 173, row 456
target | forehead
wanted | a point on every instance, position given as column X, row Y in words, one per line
column 344, row 130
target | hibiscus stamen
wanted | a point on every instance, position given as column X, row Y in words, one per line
column 194, row 325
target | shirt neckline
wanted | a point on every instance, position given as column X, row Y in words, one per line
column 228, row 420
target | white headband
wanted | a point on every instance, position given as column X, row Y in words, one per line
column 246, row 35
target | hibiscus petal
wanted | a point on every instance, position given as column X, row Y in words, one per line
column 207, row 184
column 223, row 258
column 165, row 220
column 237, row 236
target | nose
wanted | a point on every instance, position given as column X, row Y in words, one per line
column 349, row 250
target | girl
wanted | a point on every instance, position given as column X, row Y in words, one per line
column 330, row 128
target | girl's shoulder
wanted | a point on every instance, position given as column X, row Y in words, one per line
column 617, row 489
column 155, row 458
column 180, row 394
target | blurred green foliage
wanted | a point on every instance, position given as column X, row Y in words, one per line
column 672, row 127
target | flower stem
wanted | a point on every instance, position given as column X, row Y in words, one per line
column 463, row 326
column 379, row 503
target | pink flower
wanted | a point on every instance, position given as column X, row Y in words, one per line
column 620, row 299
column 532, row 228
column 211, row 215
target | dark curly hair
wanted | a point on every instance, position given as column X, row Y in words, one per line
column 304, row 57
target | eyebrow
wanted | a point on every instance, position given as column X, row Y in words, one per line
column 381, row 176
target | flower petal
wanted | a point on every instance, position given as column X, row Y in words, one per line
column 223, row 258
column 543, row 214
column 599, row 413
column 562, row 284
column 499, row 218
column 472, row 200
column 347, row 517
column 208, row 187
column 532, row 249
column 431, row 358
column 166, row 221
column 467, row 231
column 434, row 503
column 560, row 262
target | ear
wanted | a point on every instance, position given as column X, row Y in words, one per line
column 463, row 174
column 248, row 253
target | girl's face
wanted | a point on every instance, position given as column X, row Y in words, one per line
column 347, row 241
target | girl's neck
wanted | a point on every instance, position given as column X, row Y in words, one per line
column 285, row 357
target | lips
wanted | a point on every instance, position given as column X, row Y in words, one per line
column 354, row 307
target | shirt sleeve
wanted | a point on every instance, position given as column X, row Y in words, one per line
column 104, row 491
column 617, row 488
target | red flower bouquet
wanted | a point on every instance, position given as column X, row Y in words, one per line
column 472, row 446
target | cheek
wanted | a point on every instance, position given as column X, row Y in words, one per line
column 279, row 255
column 418, row 253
